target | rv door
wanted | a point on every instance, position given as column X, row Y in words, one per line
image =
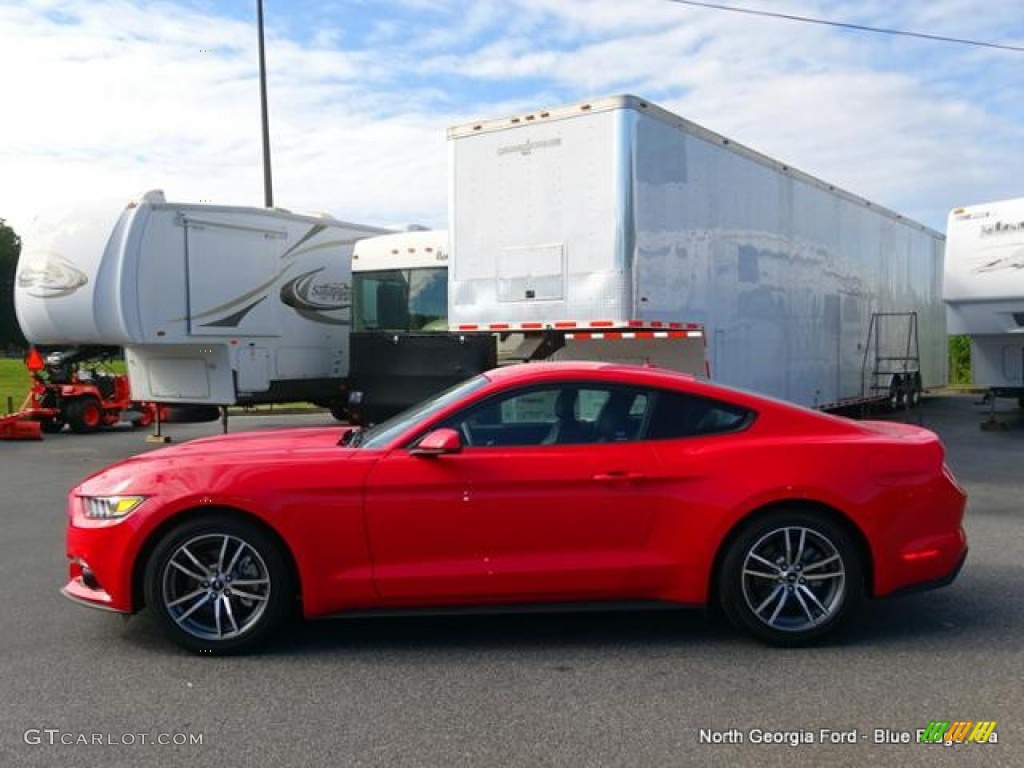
column 232, row 272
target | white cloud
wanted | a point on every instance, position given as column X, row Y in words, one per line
column 114, row 97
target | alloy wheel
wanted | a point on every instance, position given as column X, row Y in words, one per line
column 216, row 586
column 794, row 579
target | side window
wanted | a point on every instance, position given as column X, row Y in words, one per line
column 381, row 300
column 535, row 407
column 679, row 415
column 567, row 414
column 622, row 417
column 428, row 299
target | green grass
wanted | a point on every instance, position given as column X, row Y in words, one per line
column 14, row 382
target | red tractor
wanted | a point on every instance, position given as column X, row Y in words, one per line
column 78, row 387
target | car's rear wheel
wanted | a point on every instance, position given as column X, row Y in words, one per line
column 791, row 577
column 219, row 585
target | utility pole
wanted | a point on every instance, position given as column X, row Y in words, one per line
column 268, row 186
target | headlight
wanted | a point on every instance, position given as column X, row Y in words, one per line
column 110, row 507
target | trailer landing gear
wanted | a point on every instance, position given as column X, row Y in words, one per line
column 992, row 424
column 158, row 436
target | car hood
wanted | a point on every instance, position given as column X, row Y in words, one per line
column 257, row 442
column 215, row 457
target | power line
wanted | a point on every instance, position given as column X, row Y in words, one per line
column 858, row 27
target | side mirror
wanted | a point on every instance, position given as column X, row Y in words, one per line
column 438, row 443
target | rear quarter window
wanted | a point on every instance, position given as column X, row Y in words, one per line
column 679, row 415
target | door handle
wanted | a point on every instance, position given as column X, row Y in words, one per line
column 620, row 476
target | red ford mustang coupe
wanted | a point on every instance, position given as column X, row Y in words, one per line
column 556, row 483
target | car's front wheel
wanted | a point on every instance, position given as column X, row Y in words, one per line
column 219, row 584
column 790, row 578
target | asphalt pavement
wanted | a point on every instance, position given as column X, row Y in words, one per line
column 86, row 688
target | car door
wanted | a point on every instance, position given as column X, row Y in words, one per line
column 514, row 516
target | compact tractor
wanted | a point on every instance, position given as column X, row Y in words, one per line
column 78, row 387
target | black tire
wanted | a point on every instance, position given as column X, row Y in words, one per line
column 897, row 394
column 205, row 559
column 339, row 411
column 915, row 393
column 52, row 426
column 190, row 414
column 84, row 414
column 794, row 596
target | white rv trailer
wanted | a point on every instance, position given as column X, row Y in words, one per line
column 213, row 304
column 984, row 291
column 615, row 213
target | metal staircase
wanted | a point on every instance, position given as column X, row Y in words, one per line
column 892, row 360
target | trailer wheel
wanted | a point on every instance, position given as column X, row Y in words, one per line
column 219, row 585
column 914, row 391
column 84, row 414
column 791, row 577
column 897, row 393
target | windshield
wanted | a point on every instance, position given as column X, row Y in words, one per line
column 401, row 299
column 383, row 433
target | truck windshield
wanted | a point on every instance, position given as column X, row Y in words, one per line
column 401, row 299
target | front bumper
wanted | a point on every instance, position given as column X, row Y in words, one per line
column 100, row 557
column 77, row 592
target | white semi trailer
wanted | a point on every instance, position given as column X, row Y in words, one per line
column 984, row 291
column 601, row 219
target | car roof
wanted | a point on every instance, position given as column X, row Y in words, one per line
column 585, row 369
column 562, row 368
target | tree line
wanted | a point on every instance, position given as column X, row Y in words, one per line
column 11, row 337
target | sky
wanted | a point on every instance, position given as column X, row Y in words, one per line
column 105, row 99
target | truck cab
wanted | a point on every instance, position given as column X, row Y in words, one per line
column 400, row 282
